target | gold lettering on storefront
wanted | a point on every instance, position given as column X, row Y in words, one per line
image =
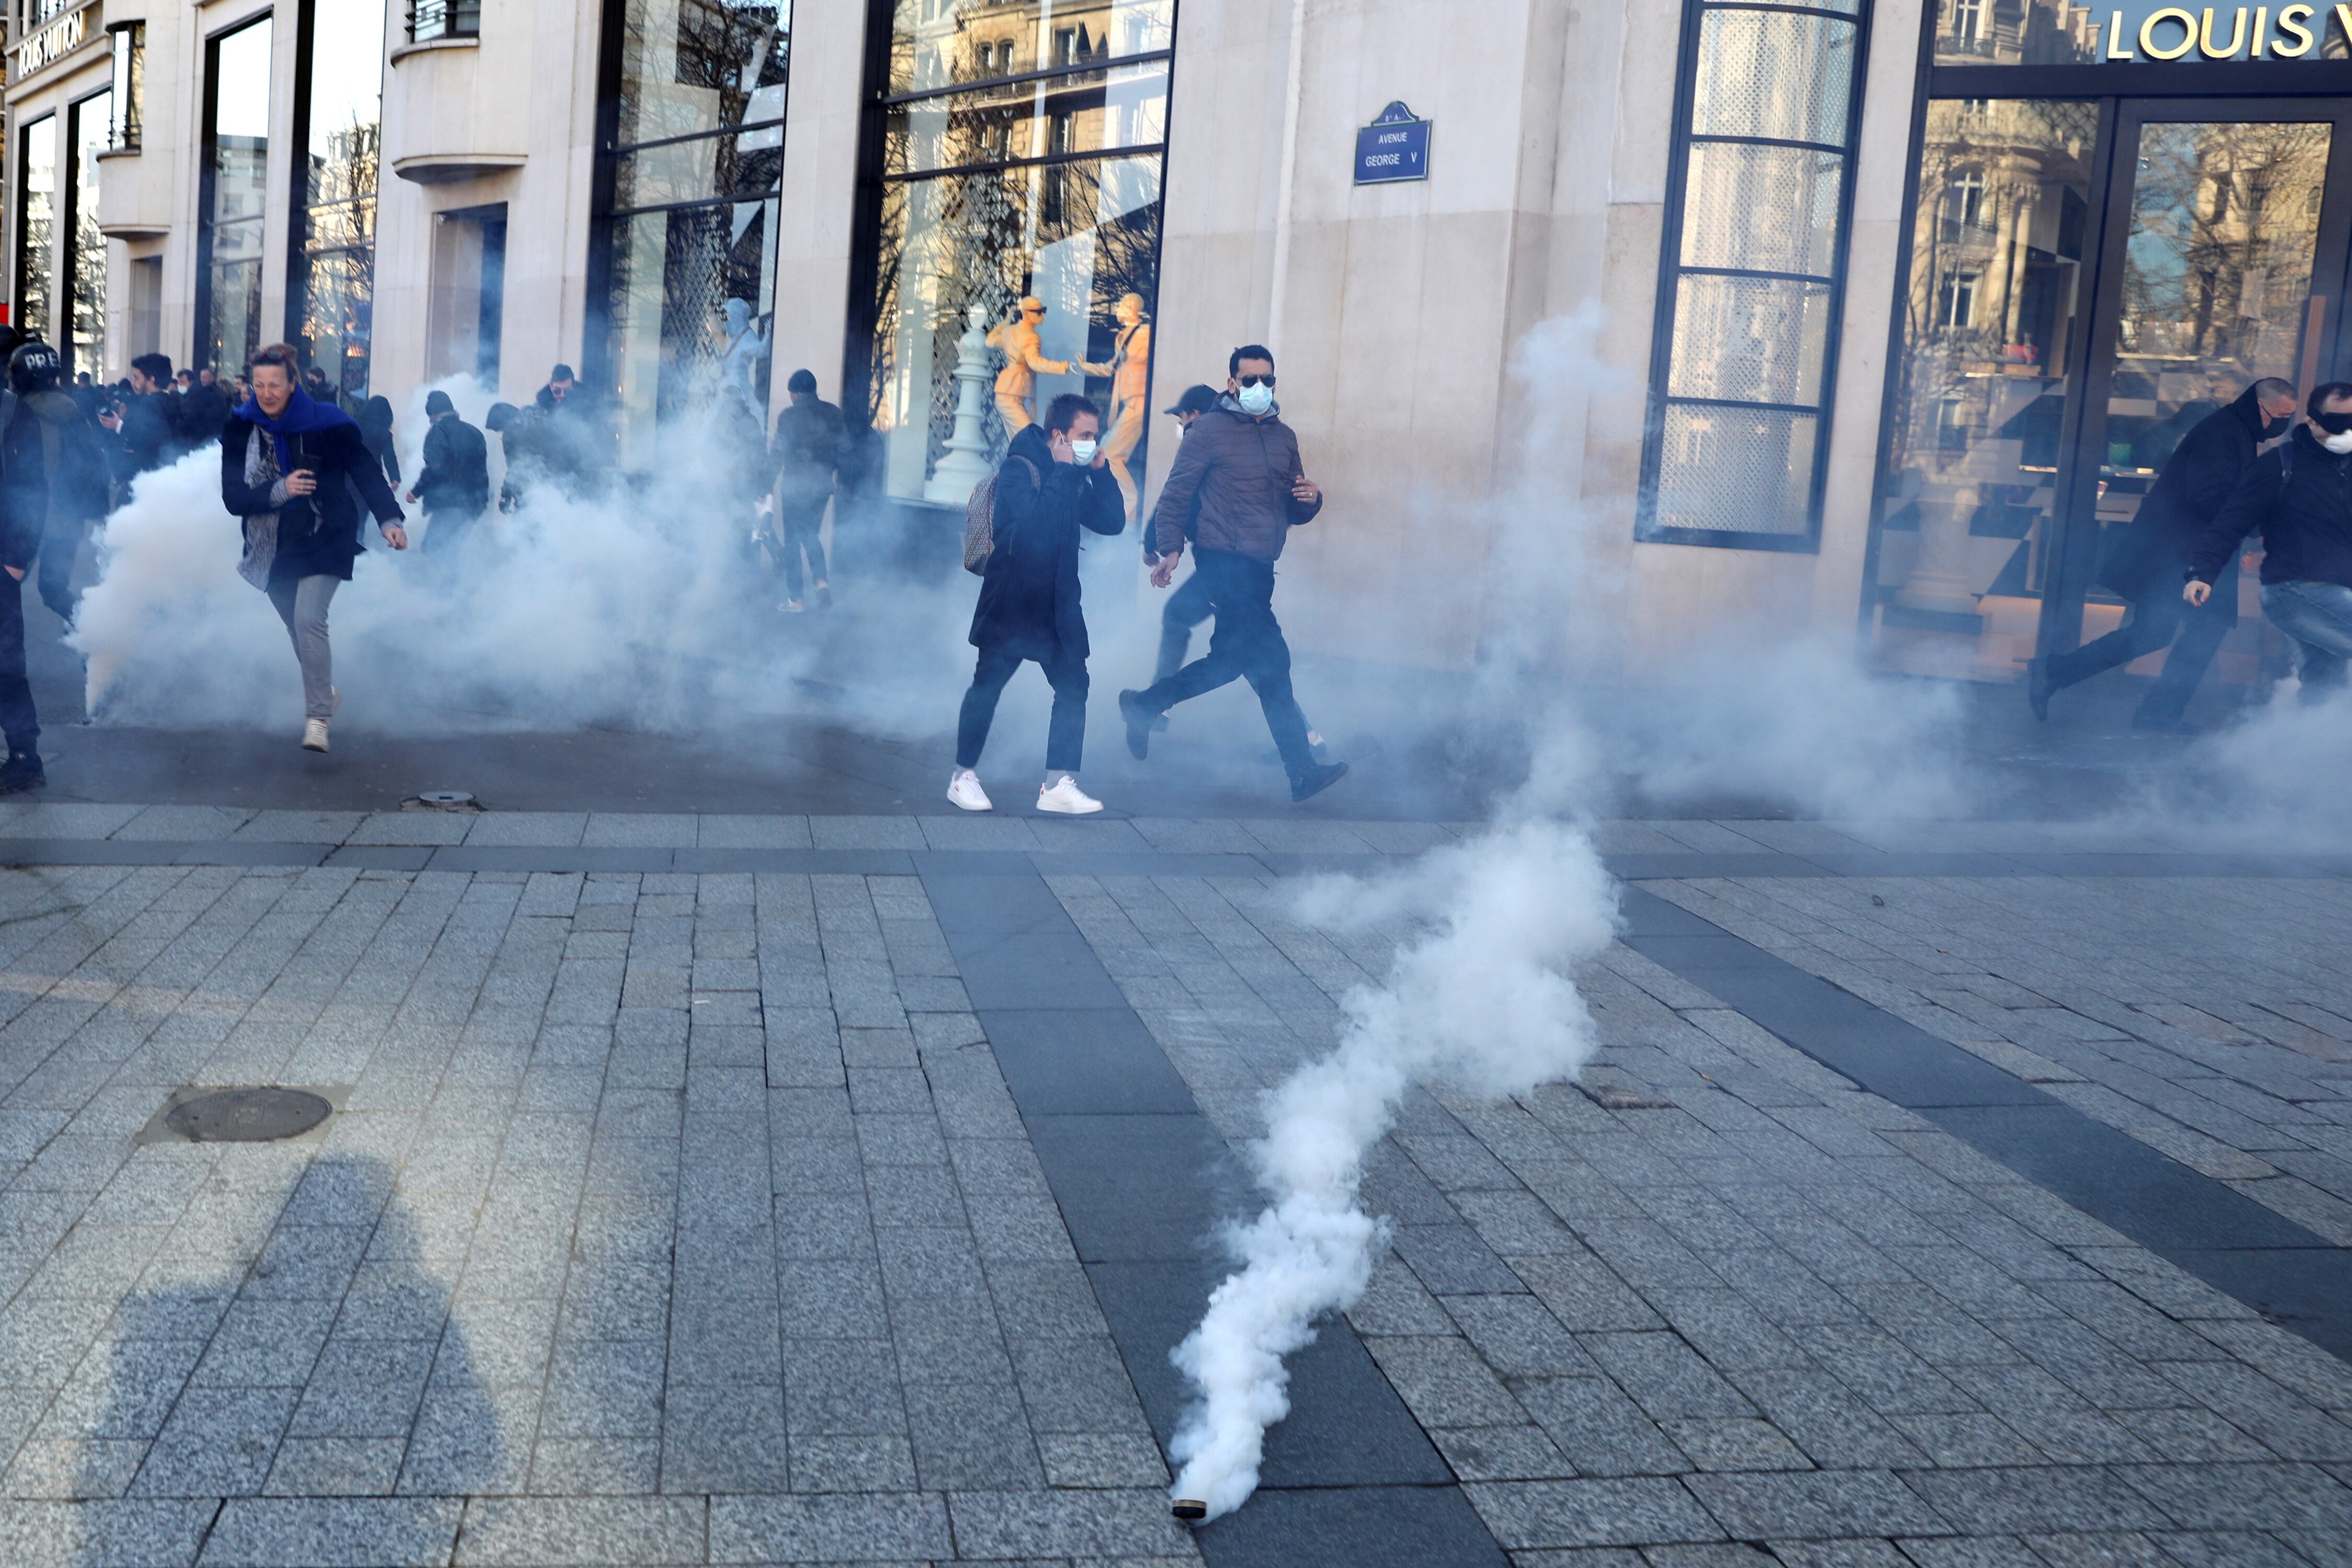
column 2292, row 39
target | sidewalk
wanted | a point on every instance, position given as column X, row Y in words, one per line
column 844, row 1212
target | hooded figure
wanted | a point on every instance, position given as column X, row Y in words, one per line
column 455, row 484
column 53, row 480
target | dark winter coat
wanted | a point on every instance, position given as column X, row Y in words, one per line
column 318, row 534
column 1242, row 469
column 2304, row 517
column 1029, row 595
column 204, row 410
column 32, row 492
column 150, row 436
column 806, row 451
column 457, row 473
column 571, row 443
column 2154, row 548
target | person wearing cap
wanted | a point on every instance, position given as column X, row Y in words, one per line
column 454, row 483
column 802, row 459
column 1188, row 606
column 1025, row 362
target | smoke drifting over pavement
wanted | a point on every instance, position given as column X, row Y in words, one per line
column 1483, row 1000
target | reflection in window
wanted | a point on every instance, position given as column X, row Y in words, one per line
column 1963, row 536
column 85, row 269
column 332, row 295
column 689, row 224
column 228, row 235
column 1047, row 188
column 1741, row 370
column 128, row 40
column 37, row 226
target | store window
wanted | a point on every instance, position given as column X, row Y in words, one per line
column 1742, row 367
column 339, row 116
column 232, row 206
column 1016, row 227
column 2067, row 32
column 37, row 225
column 128, row 41
column 688, row 239
column 85, row 269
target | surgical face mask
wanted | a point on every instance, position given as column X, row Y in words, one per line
column 1083, row 452
column 2339, row 442
column 1255, row 400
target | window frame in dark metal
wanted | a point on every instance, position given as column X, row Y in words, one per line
column 1646, row 529
column 127, row 51
column 458, row 19
column 208, row 173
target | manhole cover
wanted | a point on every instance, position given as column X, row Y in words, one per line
column 441, row 800
column 248, row 1115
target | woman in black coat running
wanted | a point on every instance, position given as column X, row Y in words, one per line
column 295, row 470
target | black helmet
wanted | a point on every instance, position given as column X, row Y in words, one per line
column 35, row 367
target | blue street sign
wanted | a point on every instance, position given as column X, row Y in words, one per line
column 1393, row 147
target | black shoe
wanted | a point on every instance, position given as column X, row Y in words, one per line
column 22, row 771
column 1309, row 784
column 1139, row 723
column 2165, row 725
column 2037, row 688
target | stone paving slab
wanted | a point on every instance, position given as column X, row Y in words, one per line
column 689, row 1217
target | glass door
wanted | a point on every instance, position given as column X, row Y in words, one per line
column 2225, row 265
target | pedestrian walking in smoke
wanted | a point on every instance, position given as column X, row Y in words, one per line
column 570, row 441
column 290, row 468
column 207, row 407
column 1053, row 482
column 519, row 431
column 2299, row 496
column 55, row 470
column 454, row 483
column 802, row 459
column 147, row 431
column 1242, row 462
column 2149, row 561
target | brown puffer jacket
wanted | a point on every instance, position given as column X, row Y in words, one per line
column 1242, row 468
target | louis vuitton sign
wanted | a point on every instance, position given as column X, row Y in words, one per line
column 51, row 45
column 2225, row 33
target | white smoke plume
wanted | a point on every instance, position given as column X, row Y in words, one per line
column 1485, row 1000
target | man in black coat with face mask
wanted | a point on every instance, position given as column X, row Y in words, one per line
column 2148, row 562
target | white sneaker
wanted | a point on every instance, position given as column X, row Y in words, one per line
column 963, row 790
column 1065, row 796
column 314, row 735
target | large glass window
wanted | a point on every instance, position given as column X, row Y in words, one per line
column 1741, row 368
column 37, row 225
column 690, row 202
column 234, row 204
column 1022, row 149
column 128, row 41
column 331, row 296
column 1969, row 504
column 85, row 270
column 2067, row 32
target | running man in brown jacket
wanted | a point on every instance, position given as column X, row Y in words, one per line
column 1241, row 461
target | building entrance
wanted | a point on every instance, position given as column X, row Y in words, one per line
column 2088, row 280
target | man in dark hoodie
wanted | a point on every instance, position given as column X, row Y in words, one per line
column 55, row 469
column 801, row 463
column 2146, row 562
column 1055, row 481
column 455, row 484
column 1242, row 462
column 147, row 431
column 2299, row 495
column 52, row 480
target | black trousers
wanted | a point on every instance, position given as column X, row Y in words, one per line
column 801, row 526
column 1246, row 646
column 1066, row 732
column 1187, row 608
column 2159, row 616
column 17, row 720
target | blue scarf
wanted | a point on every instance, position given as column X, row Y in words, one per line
column 304, row 414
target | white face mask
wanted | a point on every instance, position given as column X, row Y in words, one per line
column 2337, row 443
column 1083, row 452
column 1255, row 400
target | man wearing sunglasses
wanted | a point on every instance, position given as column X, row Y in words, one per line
column 1241, row 461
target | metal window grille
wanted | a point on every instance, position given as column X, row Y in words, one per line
column 429, row 19
column 1751, row 283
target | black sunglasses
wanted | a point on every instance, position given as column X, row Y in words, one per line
column 1253, row 380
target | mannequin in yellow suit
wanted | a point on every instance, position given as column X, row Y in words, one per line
column 1025, row 362
column 1130, row 369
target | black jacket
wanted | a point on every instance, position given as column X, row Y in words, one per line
column 319, row 534
column 150, row 436
column 806, row 451
column 2303, row 508
column 1029, row 594
column 204, row 411
column 572, row 443
column 30, row 490
column 457, row 473
column 2196, row 480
